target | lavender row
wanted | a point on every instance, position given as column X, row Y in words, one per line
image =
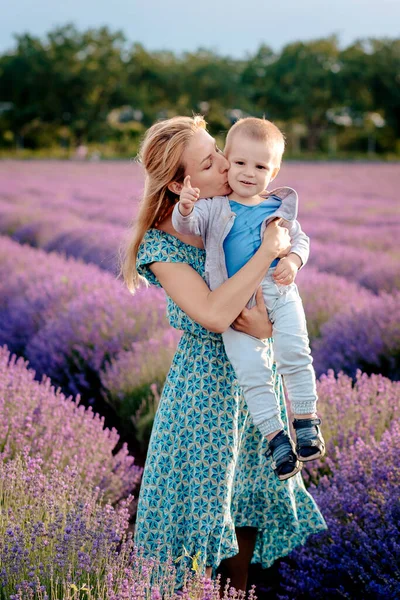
column 133, row 381
column 59, row 540
column 359, row 555
column 58, row 536
column 350, row 328
column 325, row 295
column 346, row 194
column 364, row 407
column 350, row 212
column 372, row 237
column 59, row 230
column 377, row 271
column 70, row 319
column 365, row 337
column 77, row 325
column 49, row 427
column 103, row 193
column 367, row 256
column 355, row 487
column 59, row 533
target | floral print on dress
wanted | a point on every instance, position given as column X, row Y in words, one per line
column 206, row 472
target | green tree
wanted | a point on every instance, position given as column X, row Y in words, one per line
column 74, row 85
column 68, row 79
column 385, row 80
column 300, row 84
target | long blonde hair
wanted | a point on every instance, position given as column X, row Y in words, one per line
column 161, row 156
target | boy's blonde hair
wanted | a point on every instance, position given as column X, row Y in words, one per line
column 161, row 156
column 261, row 130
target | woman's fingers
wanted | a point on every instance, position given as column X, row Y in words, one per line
column 260, row 298
column 243, row 315
column 285, row 242
column 277, row 238
column 240, row 320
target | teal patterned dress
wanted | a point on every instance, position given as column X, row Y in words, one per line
column 206, row 472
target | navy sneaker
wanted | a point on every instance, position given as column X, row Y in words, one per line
column 285, row 463
column 312, row 446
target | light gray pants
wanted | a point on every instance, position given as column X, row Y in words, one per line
column 249, row 358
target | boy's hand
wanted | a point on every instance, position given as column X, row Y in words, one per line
column 187, row 197
column 286, row 269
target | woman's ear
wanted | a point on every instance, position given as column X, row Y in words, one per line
column 175, row 187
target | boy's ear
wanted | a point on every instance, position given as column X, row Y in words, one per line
column 275, row 173
column 175, row 187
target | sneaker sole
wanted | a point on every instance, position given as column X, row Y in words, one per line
column 289, row 475
column 312, row 457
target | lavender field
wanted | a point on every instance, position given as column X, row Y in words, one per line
column 63, row 310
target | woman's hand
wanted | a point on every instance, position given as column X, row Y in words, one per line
column 255, row 321
column 277, row 239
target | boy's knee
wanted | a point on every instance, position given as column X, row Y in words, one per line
column 293, row 359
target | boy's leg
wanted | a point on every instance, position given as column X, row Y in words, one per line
column 292, row 352
column 251, row 360
column 294, row 362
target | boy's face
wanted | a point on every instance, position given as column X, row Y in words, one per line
column 253, row 164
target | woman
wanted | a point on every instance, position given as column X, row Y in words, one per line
column 207, row 490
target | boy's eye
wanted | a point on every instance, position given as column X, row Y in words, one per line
column 209, row 166
column 260, row 167
column 239, row 162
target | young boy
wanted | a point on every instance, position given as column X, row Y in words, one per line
column 232, row 228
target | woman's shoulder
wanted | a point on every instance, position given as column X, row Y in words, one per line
column 161, row 246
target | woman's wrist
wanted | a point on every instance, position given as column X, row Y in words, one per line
column 267, row 253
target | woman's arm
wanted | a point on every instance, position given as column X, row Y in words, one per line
column 217, row 310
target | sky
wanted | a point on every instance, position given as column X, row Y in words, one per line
column 229, row 27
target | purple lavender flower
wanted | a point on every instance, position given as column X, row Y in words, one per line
column 325, row 295
column 133, row 382
column 365, row 338
column 50, row 427
column 74, row 346
column 359, row 555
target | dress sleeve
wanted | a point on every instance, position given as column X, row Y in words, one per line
column 157, row 246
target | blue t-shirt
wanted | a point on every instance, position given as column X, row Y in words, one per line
column 244, row 239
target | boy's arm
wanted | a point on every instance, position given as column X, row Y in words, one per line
column 286, row 270
column 196, row 222
column 300, row 242
column 189, row 215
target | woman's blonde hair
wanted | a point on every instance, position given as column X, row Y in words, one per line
column 161, row 156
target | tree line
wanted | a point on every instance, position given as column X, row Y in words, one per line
column 88, row 87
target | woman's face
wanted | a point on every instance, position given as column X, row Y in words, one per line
column 206, row 165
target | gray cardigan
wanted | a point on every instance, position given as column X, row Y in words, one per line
column 212, row 219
